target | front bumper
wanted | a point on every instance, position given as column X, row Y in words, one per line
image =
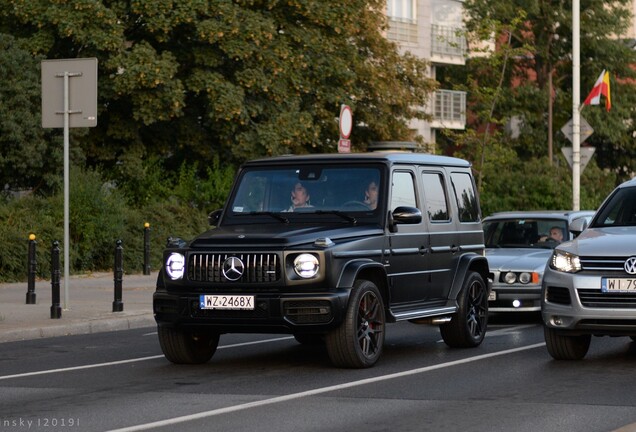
column 272, row 313
column 511, row 298
column 575, row 304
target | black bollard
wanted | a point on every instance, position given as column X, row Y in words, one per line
column 56, row 309
column 146, row 248
column 32, row 270
column 118, row 305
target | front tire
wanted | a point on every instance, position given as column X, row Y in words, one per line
column 358, row 341
column 467, row 328
column 187, row 347
column 564, row 347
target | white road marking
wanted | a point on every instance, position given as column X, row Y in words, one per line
column 314, row 392
column 140, row 359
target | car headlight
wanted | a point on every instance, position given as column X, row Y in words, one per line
column 565, row 262
column 525, row 277
column 306, row 265
column 175, row 266
column 510, row 278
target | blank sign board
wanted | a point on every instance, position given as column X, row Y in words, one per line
column 82, row 92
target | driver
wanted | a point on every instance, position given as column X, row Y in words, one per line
column 371, row 195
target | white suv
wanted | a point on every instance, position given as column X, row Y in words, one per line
column 589, row 286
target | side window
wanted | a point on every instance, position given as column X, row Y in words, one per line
column 402, row 190
column 466, row 197
column 435, row 193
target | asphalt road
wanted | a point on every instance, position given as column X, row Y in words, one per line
column 120, row 380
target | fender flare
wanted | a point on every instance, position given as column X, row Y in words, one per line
column 350, row 272
column 468, row 263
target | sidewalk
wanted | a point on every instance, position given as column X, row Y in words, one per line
column 89, row 307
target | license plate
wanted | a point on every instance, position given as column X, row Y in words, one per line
column 236, row 302
column 492, row 296
column 618, row 285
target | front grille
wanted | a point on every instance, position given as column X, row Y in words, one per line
column 258, row 267
column 559, row 295
column 604, row 264
column 596, row 298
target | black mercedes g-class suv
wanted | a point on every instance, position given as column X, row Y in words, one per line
column 331, row 248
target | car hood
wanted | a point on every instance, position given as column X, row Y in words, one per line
column 503, row 259
column 609, row 241
column 279, row 234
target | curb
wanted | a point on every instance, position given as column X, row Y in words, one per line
column 80, row 328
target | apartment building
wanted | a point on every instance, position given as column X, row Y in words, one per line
column 432, row 30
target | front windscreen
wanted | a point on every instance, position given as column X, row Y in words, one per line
column 307, row 189
column 522, row 233
column 620, row 209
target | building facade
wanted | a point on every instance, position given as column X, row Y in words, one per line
column 433, row 31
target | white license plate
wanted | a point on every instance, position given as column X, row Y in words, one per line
column 237, row 302
column 492, row 296
column 618, row 285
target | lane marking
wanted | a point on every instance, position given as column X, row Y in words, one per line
column 314, row 392
column 119, row 362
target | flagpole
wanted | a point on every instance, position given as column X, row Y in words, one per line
column 576, row 102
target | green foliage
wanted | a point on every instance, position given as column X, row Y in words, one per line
column 190, row 80
column 99, row 215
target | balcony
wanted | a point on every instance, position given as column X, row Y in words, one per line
column 449, row 109
column 448, row 45
column 402, row 30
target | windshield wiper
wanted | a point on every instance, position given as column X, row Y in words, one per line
column 345, row 216
column 277, row 216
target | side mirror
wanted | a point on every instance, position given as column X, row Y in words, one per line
column 214, row 217
column 407, row 215
column 578, row 225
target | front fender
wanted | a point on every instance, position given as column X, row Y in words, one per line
column 350, row 271
column 468, row 263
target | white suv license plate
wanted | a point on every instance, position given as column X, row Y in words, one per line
column 232, row 302
column 618, row 285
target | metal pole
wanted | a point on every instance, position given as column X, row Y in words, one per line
column 30, row 295
column 146, row 248
column 576, row 102
column 56, row 310
column 66, row 190
column 118, row 305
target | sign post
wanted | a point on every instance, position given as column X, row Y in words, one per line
column 345, row 126
column 68, row 103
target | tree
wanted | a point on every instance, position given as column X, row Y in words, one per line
column 186, row 80
column 546, row 31
column 27, row 158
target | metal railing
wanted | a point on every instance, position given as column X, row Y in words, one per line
column 447, row 42
column 449, row 109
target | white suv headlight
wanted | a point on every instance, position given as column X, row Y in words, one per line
column 306, row 265
column 175, row 266
column 565, row 262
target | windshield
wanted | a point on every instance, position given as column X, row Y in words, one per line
column 307, row 189
column 522, row 233
column 620, row 210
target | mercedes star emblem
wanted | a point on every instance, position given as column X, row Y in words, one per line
column 233, row 268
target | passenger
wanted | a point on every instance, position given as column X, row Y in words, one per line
column 299, row 197
column 371, row 195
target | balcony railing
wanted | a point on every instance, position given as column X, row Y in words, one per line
column 402, row 30
column 448, row 45
column 449, row 109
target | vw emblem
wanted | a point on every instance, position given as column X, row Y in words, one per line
column 630, row 265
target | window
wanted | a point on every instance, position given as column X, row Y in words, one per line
column 466, row 197
column 435, row 194
column 401, row 9
column 403, row 190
